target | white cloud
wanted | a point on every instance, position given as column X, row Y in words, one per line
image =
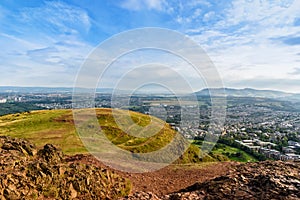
column 208, row 16
column 260, row 12
column 296, row 71
column 247, row 44
column 34, row 64
column 155, row 4
column 21, row 42
column 136, row 5
column 197, row 13
column 43, row 46
column 57, row 16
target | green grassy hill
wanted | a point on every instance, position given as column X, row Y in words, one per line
column 57, row 127
column 42, row 127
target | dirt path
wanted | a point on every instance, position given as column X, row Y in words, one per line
column 169, row 179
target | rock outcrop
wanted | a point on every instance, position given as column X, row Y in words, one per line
column 261, row 180
column 26, row 173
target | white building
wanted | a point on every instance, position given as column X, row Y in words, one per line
column 3, row 100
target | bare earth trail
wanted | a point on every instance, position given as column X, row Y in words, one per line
column 166, row 180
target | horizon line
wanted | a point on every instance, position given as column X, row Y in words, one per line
column 110, row 88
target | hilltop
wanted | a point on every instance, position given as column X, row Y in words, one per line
column 57, row 127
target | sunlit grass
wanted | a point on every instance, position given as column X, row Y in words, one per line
column 234, row 154
column 57, row 127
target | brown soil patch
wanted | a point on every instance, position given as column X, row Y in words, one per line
column 166, row 180
column 65, row 119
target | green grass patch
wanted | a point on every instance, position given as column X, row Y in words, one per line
column 233, row 153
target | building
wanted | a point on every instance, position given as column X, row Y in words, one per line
column 3, row 100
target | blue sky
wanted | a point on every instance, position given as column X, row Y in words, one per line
column 252, row 43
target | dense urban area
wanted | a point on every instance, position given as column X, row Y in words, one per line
column 266, row 128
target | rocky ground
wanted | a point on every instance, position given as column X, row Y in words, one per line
column 28, row 173
column 262, row 180
column 166, row 180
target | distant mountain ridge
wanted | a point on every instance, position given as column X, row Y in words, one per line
column 247, row 92
column 33, row 90
column 229, row 92
column 18, row 89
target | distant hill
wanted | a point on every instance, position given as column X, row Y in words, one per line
column 16, row 89
column 229, row 92
column 248, row 92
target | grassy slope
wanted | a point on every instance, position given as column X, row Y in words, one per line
column 233, row 153
column 57, row 127
column 42, row 127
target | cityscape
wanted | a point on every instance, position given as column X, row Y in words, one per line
column 266, row 126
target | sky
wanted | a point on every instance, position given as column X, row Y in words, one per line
column 252, row 43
